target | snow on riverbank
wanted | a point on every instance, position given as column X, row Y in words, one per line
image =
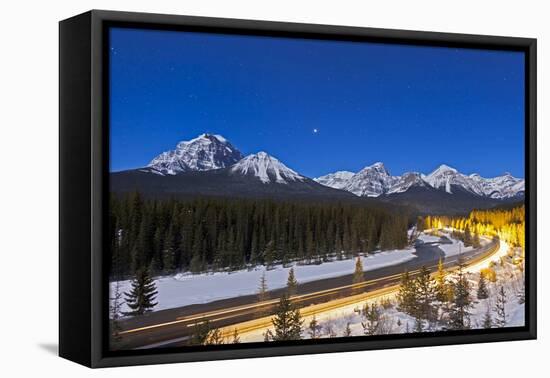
column 186, row 288
column 448, row 245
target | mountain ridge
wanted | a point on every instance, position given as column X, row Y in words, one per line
column 375, row 180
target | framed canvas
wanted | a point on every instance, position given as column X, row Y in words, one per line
column 234, row 188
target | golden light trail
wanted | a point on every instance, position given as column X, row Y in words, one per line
column 306, row 311
column 265, row 322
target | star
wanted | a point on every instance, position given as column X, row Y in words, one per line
column 315, row 131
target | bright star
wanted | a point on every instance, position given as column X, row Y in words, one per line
column 315, row 131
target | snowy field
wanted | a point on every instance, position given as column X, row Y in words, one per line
column 450, row 249
column 334, row 322
column 186, row 288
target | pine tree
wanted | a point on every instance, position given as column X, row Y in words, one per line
column 287, row 322
column 314, row 328
column 406, row 297
column 426, row 295
column 487, row 319
column 269, row 254
column 236, row 339
column 459, row 311
column 443, row 292
column 347, row 330
column 214, row 337
column 500, row 320
column 467, row 237
column 476, row 243
column 141, row 298
column 418, row 325
column 291, row 283
column 115, row 305
column 482, row 291
column 371, row 314
column 263, row 294
column 358, row 275
column 521, row 293
column 201, row 333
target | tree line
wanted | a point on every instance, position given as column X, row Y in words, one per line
column 441, row 302
column 506, row 223
column 197, row 235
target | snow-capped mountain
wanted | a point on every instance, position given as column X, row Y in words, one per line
column 337, row 180
column 371, row 181
column 406, row 181
column 266, row 168
column 505, row 186
column 203, row 153
column 374, row 180
column 445, row 177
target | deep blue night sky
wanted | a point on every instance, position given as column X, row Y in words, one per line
column 411, row 107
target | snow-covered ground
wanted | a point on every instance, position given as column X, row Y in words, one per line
column 185, row 289
column 508, row 275
column 449, row 246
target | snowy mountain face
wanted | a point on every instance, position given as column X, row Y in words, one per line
column 375, row 180
column 204, row 153
column 209, row 152
column 266, row 168
column 371, row 181
column 337, row 180
column 405, row 182
column 500, row 187
column 446, row 177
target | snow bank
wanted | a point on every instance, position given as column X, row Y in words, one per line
column 448, row 245
column 185, row 289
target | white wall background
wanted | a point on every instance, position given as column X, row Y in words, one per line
column 29, row 185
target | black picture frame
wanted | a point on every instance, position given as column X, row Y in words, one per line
column 83, row 180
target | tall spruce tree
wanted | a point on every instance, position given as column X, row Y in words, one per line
column 287, row 322
column 425, row 297
column 314, row 328
column 115, row 312
column 201, row 333
column 236, row 339
column 487, row 319
column 500, row 308
column 291, row 283
column 214, row 337
column 459, row 309
column 347, row 330
column 371, row 315
column 141, row 298
column 358, row 274
column 443, row 290
column 476, row 243
column 406, row 297
column 482, row 290
column 263, row 294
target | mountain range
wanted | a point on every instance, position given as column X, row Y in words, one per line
column 375, row 180
column 210, row 165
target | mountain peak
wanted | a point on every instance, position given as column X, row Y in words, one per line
column 337, row 180
column 203, row 153
column 444, row 168
column 267, row 168
column 371, row 181
column 378, row 167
